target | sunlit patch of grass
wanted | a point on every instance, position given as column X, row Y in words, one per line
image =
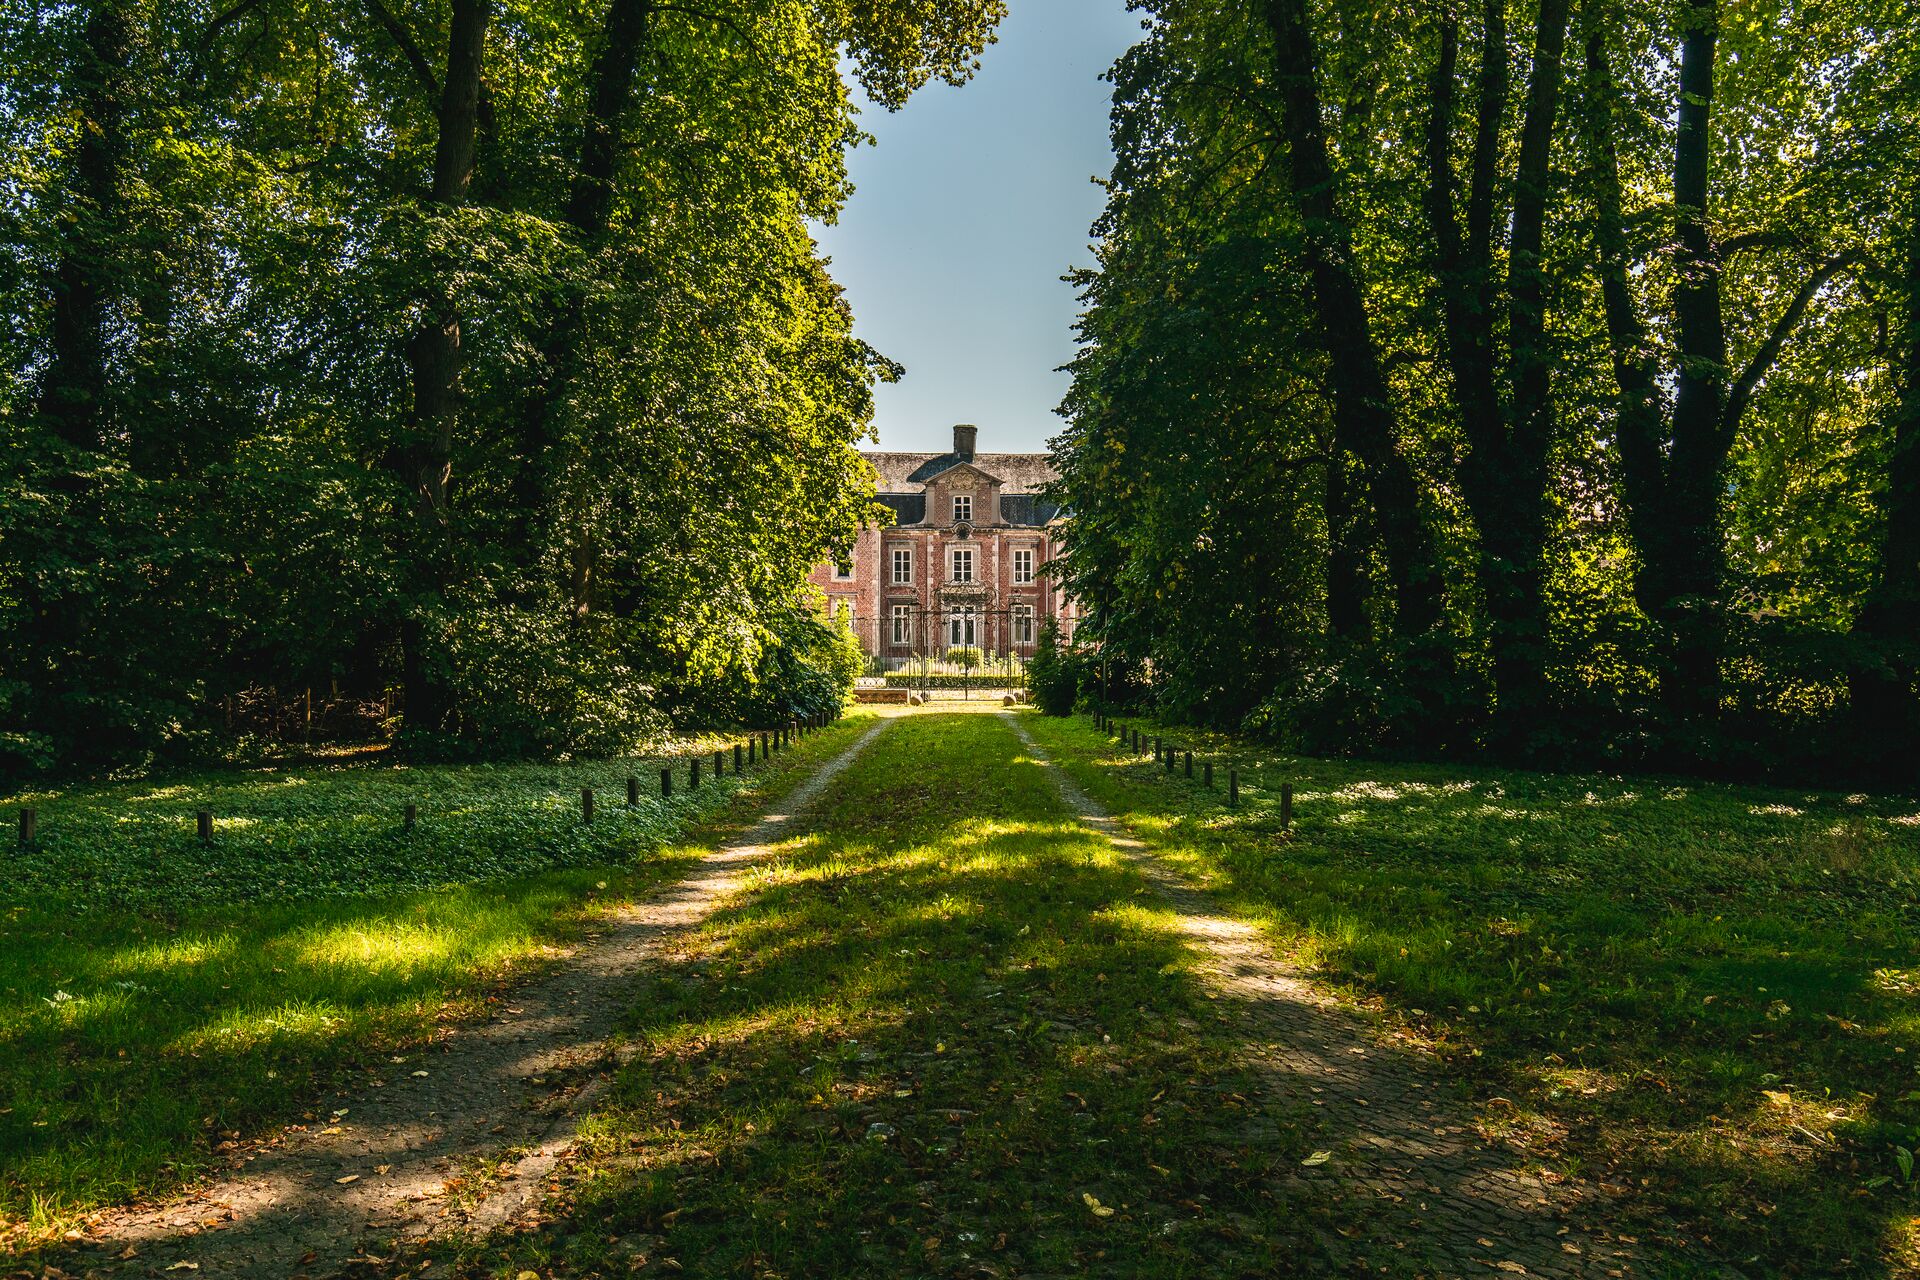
column 132, row 1038
column 1638, row 967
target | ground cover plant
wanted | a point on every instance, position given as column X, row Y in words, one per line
column 166, row 1000
column 950, row 1034
column 1705, row 995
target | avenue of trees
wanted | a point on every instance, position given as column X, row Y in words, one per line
column 1539, row 377
column 473, row 349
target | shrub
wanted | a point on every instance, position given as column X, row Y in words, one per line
column 808, row 667
column 937, row 680
column 965, row 657
column 529, row 684
column 1054, row 674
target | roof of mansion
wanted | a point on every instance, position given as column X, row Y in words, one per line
column 1017, row 472
column 903, row 478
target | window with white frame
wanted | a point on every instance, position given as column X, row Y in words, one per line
column 1023, row 624
column 962, row 565
column 903, row 564
column 1023, row 564
column 960, row 626
column 962, row 507
column 903, row 624
column 843, row 571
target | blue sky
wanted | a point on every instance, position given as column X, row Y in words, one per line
column 964, row 216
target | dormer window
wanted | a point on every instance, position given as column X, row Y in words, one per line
column 962, row 507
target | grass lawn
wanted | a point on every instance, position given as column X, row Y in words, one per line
column 950, row 1033
column 159, row 997
column 1709, row 995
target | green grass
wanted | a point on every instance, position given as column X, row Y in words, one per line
column 319, row 830
column 950, row 1033
column 159, row 997
column 1708, row 995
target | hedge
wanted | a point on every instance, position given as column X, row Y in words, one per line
column 906, row 680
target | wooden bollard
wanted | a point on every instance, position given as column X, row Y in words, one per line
column 633, row 792
column 1136, row 740
column 751, row 744
column 586, row 804
column 719, row 762
column 27, row 817
column 409, row 816
column 693, row 775
column 737, row 749
column 1188, row 757
column 205, row 822
column 1156, row 748
column 1167, row 758
column 1233, row 788
column 1207, row 773
column 666, row 783
column 1286, row 805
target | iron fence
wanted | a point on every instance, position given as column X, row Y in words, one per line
column 949, row 651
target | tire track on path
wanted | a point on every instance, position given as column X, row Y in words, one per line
column 508, row 1093
column 1466, row 1206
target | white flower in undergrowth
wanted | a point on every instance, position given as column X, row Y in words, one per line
column 59, row 998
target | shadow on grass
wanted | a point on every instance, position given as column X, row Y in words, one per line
column 139, row 1049
column 134, row 1049
column 1708, row 991
column 951, row 1034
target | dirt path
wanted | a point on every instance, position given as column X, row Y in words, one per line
column 502, row 1097
column 1393, row 1133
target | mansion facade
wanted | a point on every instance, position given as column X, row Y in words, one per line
column 961, row 564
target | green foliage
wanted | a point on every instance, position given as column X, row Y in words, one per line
column 569, row 433
column 1230, row 549
column 946, row 680
column 311, row 831
column 1054, row 674
column 808, row 666
column 965, row 657
column 529, row 684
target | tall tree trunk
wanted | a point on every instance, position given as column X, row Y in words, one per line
column 435, row 357
column 1346, row 556
column 1884, row 703
column 66, row 547
column 589, row 210
column 1688, row 600
column 1672, row 460
column 1504, row 473
column 1363, row 421
column 73, row 392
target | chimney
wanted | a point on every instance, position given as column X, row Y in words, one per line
column 963, row 436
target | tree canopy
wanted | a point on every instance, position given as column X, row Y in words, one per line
column 473, row 350
column 1534, row 377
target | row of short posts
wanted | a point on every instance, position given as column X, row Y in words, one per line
column 1169, row 756
column 762, row 745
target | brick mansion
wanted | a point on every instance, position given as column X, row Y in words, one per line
column 962, row 562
